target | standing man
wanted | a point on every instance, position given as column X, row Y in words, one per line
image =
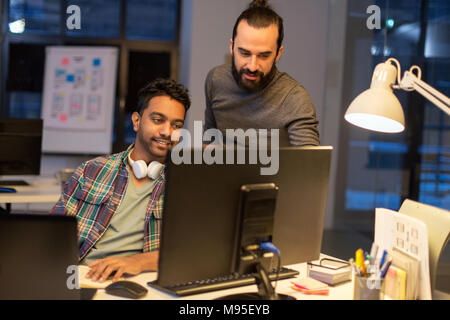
column 251, row 92
column 118, row 199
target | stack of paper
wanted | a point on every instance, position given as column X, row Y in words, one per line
column 330, row 276
column 310, row 286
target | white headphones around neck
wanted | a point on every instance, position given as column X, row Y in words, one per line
column 141, row 169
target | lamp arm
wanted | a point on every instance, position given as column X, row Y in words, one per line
column 410, row 81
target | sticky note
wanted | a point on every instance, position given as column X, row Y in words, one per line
column 309, row 284
column 60, row 72
column 96, row 62
column 65, row 61
column 63, row 117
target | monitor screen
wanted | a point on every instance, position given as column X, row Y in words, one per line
column 20, row 145
column 36, row 252
column 201, row 210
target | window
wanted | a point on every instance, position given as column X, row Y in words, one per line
column 35, row 17
column 434, row 178
column 152, row 19
column 144, row 31
column 381, row 170
column 100, row 18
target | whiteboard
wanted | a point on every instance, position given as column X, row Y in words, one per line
column 78, row 99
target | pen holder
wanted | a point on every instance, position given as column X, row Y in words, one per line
column 367, row 288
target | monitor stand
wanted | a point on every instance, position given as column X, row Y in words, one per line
column 254, row 296
column 265, row 289
column 5, row 211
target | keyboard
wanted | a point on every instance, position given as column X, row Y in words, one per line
column 13, row 183
column 220, row 283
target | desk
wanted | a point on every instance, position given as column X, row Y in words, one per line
column 40, row 190
column 343, row 291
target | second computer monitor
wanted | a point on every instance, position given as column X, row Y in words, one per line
column 20, row 148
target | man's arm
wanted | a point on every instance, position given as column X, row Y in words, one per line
column 210, row 120
column 301, row 118
column 102, row 269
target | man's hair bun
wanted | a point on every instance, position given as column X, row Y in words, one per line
column 259, row 3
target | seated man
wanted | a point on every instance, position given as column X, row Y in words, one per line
column 117, row 205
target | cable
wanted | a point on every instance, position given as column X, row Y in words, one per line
column 278, row 273
column 269, row 246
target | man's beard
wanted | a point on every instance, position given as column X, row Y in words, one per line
column 248, row 85
column 148, row 147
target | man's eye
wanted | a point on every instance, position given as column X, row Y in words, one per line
column 157, row 120
column 245, row 54
column 178, row 126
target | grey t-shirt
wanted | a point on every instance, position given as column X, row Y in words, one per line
column 125, row 233
column 283, row 104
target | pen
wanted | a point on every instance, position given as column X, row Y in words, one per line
column 366, row 267
column 383, row 258
column 359, row 260
column 355, row 268
column 373, row 253
column 385, row 267
column 366, row 256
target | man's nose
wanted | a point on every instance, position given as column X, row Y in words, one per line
column 165, row 130
column 253, row 65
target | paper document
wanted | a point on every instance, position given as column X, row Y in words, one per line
column 88, row 283
column 384, row 230
column 410, row 235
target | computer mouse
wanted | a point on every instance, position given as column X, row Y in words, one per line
column 126, row 289
column 8, row 190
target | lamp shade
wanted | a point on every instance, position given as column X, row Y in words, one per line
column 377, row 108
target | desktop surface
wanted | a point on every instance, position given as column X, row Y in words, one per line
column 39, row 189
column 343, row 291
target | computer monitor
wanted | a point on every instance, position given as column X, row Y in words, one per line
column 20, row 145
column 38, row 256
column 201, row 210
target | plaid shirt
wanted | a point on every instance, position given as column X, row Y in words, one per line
column 94, row 193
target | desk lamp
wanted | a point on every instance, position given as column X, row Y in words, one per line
column 378, row 109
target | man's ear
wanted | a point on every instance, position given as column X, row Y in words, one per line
column 280, row 51
column 231, row 46
column 135, row 118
